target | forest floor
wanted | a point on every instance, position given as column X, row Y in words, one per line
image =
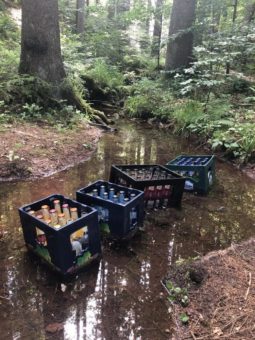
column 222, row 305
column 29, row 150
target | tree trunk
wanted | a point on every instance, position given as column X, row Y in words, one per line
column 80, row 6
column 235, row 4
column 156, row 39
column 180, row 37
column 40, row 41
column 216, row 16
column 148, row 18
column 235, row 11
column 250, row 12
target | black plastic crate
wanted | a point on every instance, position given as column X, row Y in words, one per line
column 118, row 220
column 199, row 171
column 162, row 187
column 54, row 244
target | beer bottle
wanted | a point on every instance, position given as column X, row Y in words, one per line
column 133, row 217
column 66, row 212
column 102, row 191
column 132, row 196
column 121, row 197
column 95, row 193
column 74, row 213
column 45, row 212
column 111, row 194
column 53, row 217
column 61, row 219
column 40, row 234
column 57, row 206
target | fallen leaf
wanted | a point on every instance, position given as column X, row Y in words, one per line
column 54, row 327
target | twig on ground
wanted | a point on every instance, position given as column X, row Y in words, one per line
column 248, row 289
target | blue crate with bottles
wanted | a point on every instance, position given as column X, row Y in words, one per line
column 199, row 171
column 120, row 209
column 62, row 232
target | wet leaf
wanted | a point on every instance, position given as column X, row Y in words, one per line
column 54, row 327
column 184, row 318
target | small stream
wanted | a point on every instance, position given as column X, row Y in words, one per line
column 121, row 298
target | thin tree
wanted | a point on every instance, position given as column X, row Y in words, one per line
column 40, row 41
column 80, row 8
column 156, row 39
column 235, row 5
column 180, row 37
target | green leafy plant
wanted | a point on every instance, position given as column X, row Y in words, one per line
column 184, row 318
column 177, row 294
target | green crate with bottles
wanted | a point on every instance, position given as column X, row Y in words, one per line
column 199, row 171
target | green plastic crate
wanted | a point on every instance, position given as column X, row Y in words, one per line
column 199, row 171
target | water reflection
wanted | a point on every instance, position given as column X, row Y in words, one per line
column 119, row 299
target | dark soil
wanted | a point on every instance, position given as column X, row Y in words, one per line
column 32, row 151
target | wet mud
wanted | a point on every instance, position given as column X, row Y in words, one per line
column 122, row 297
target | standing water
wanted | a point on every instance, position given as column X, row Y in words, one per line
column 121, row 298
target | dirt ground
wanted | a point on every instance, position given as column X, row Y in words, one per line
column 222, row 305
column 30, row 151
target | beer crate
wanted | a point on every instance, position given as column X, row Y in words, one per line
column 198, row 170
column 58, row 246
column 162, row 187
column 120, row 213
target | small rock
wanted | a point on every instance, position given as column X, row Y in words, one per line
column 167, row 331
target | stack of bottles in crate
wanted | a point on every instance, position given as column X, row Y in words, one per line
column 58, row 217
column 162, row 187
column 198, row 170
column 65, row 232
column 120, row 209
column 62, row 232
column 117, row 197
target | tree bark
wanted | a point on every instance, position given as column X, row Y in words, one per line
column 156, row 39
column 40, row 41
column 148, row 19
column 80, row 7
column 250, row 13
column 235, row 10
column 235, row 4
column 180, row 37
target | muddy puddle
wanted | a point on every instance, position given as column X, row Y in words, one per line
column 122, row 297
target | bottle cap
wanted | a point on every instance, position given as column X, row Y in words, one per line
column 73, row 209
column 31, row 212
column 45, row 206
column 65, row 205
column 56, row 201
column 52, row 211
column 57, row 226
column 61, row 215
column 40, row 217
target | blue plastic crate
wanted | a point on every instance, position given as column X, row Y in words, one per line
column 119, row 218
column 54, row 246
column 199, row 171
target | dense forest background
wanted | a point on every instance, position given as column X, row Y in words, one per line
column 183, row 65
